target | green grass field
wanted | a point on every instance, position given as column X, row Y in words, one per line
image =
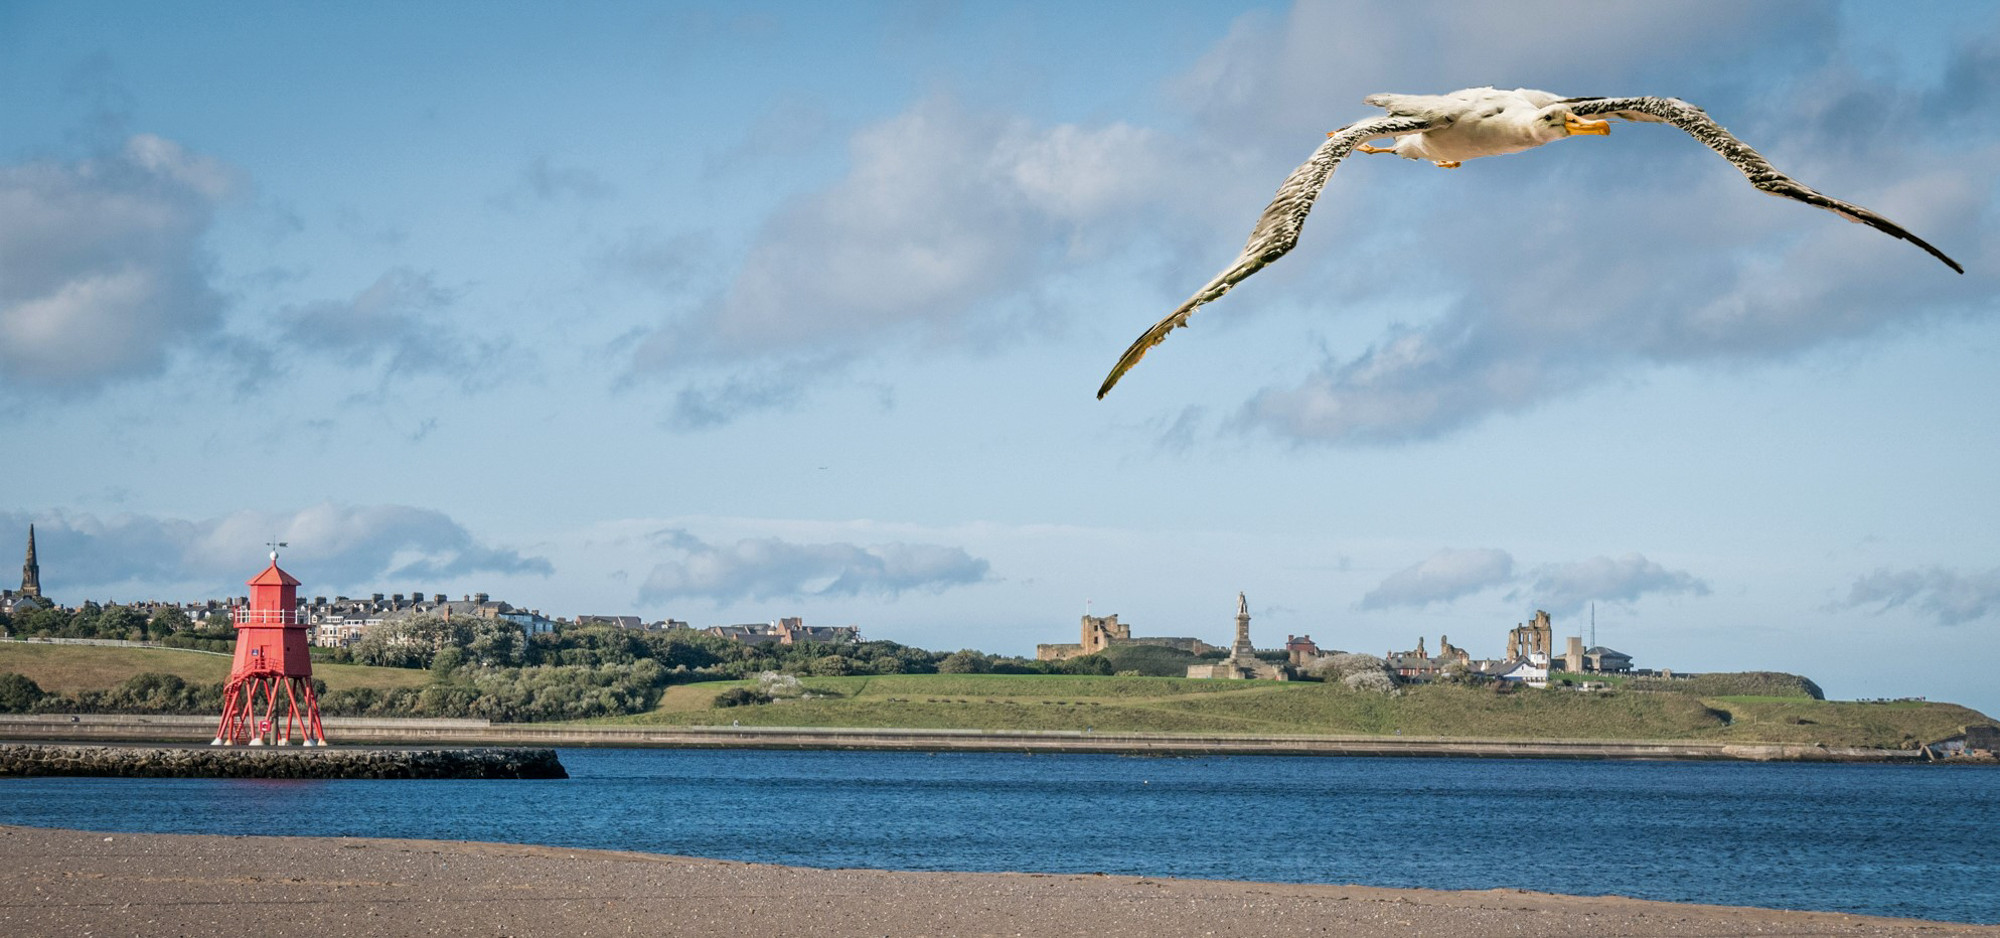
column 1150, row 704
column 65, row 669
column 1177, row 705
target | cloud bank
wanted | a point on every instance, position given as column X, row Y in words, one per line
column 1560, row 588
column 770, row 568
column 334, row 547
column 102, row 270
column 1442, row 577
column 1567, row 587
column 942, row 232
column 402, row 324
column 1949, row 597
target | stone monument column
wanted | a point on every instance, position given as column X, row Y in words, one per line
column 1242, row 648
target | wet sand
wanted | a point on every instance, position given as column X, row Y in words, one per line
column 73, row 883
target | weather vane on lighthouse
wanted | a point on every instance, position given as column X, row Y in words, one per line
column 274, row 544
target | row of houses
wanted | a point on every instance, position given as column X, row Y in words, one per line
column 338, row 626
column 791, row 631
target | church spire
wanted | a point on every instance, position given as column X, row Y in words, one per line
column 31, row 571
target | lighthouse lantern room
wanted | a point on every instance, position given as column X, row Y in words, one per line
column 269, row 697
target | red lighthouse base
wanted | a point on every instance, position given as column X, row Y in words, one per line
column 244, row 697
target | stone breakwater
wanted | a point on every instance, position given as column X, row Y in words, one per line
column 261, row 762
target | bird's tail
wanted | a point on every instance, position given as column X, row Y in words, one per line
column 1244, row 267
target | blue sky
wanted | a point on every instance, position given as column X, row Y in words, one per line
column 735, row 311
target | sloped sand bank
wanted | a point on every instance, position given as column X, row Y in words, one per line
column 56, row 882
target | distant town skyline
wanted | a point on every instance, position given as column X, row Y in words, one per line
column 700, row 310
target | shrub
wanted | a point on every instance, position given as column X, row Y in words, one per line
column 1458, row 672
column 773, row 685
column 832, row 666
column 741, row 697
column 1089, row 664
column 1338, row 667
column 965, row 661
column 1378, row 681
column 18, row 694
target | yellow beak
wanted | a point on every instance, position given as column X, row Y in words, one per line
column 1576, row 125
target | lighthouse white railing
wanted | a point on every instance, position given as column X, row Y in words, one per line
column 244, row 615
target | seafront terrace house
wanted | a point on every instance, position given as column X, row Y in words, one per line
column 787, row 631
column 342, row 621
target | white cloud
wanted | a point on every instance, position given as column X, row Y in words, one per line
column 1442, row 577
column 1559, row 588
column 943, row 213
column 698, row 407
column 102, row 271
column 771, row 568
column 1948, row 596
column 367, row 548
column 1565, row 587
column 400, row 322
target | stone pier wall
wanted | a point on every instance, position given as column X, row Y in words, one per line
column 271, row 762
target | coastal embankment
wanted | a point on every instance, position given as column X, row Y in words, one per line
column 371, row 731
column 185, row 761
column 62, row 882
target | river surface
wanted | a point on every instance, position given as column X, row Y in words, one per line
column 1915, row 841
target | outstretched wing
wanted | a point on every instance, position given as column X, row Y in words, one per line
column 1277, row 229
column 1752, row 164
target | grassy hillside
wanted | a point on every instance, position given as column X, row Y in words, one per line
column 1840, row 722
column 1733, row 683
column 66, row 669
column 1176, row 705
column 1760, row 711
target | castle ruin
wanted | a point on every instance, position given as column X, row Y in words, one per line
column 1532, row 642
column 1102, row 632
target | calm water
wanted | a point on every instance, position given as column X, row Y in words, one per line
column 1885, row 840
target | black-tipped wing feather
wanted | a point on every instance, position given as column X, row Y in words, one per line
column 1752, row 164
column 1276, row 232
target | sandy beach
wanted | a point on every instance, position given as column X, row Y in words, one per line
column 72, row 883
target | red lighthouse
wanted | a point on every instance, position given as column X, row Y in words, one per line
column 272, row 676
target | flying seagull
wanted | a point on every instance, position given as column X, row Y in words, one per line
column 1448, row 129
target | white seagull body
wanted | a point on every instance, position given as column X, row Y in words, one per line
column 1449, row 129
